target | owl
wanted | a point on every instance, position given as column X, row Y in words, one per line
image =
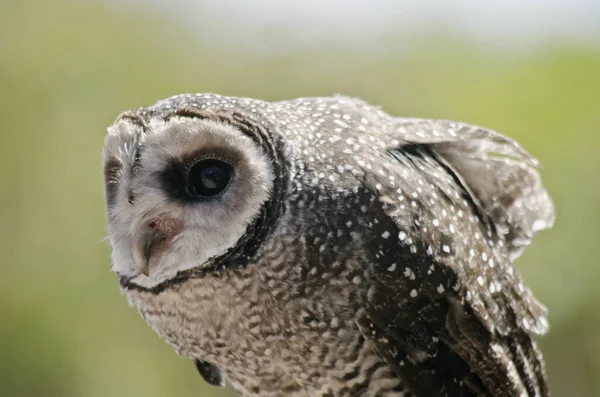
column 321, row 247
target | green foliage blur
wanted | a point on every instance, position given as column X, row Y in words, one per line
column 67, row 68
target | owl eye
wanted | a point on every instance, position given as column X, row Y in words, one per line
column 208, row 178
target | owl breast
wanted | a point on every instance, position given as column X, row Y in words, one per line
column 270, row 332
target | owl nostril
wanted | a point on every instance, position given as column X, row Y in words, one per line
column 169, row 227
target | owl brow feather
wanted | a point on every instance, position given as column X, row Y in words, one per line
column 135, row 118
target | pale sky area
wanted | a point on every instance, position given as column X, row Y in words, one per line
column 505, row 23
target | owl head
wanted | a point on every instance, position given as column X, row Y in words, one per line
column 182, row 188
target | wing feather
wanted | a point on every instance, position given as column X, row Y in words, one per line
column 458, row 320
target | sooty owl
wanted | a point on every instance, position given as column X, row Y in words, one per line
column 320, row 247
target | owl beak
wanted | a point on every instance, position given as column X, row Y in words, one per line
column 151, row 241
column 145, row 246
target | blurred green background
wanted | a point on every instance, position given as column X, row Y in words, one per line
column 67, row 68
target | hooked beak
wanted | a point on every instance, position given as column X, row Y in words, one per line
column 150, row 242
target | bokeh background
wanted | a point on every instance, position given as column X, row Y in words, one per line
column 68, row 67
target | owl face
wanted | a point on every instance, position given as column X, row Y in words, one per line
column 179, row 192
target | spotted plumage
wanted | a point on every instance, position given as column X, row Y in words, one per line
column 320, row 247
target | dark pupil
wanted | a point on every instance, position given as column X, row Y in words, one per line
column 208, row 178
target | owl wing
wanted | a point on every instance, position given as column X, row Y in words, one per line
column 447, row 309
